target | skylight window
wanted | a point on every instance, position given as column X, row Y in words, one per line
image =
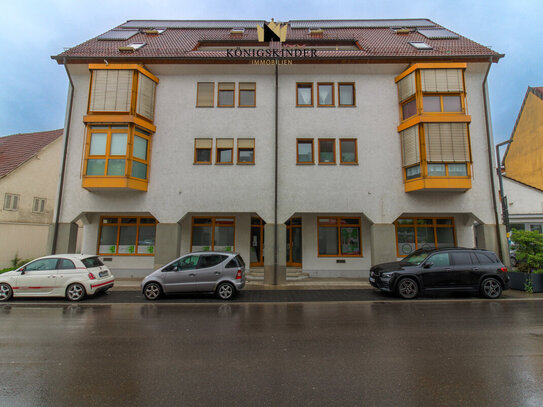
column 438, row 34
column 238, row 31
column 420, row 45
column 132, row 47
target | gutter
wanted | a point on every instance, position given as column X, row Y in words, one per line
column 489, row 140
column 67, row 124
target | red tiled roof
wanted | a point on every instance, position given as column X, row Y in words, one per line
column 15, row 150
column 376, row 42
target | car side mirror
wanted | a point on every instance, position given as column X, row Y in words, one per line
column 22, row 270
column 428, row 265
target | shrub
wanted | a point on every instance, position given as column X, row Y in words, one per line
column 529, row 250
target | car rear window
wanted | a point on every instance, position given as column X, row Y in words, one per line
column 91, row 262
column 211, row 260
column 240, row 260
column 485, row 258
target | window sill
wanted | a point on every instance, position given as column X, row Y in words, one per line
column 326, row 105
column 327, row 163
column 353, row 163
column 245, row 163
column 346, row 106
column 232, row 163
column 202, row 163
column 305, row 163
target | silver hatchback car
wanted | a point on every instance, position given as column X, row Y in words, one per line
column 219, row 272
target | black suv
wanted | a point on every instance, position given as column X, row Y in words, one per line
column 432, row 270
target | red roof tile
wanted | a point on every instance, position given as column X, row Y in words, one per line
column 15, row 150
column 376, row 42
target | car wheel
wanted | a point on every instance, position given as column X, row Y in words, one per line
column 152, row 291
column 491, row 288
column 5, row 292
column 407, row 288
column 225, row 291
column 75, row 292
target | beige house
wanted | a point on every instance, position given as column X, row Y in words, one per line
column 29, row 171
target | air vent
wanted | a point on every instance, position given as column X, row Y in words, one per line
column 132, row 47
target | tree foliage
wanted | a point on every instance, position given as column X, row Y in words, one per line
column 529, row 250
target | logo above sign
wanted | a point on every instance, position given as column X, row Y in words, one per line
column 272, row 32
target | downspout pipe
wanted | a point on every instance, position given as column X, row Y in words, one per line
column 490, row 143
column 67, row 124
column 275, row 245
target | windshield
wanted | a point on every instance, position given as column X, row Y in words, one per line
column 414, row 259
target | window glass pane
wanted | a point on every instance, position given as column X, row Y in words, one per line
column 146, row 240
column 132, row 221
column 444, row 222
column 440, row 260
column 108, row 239
column 326, row 151
column 96, row 167
column 518, row 226
column 127, row 239
column 436, row 170
column 305, row 150
column 304, row 95
column 425, row 238
column 98, row 144
column 140, row 148
column 348, row 154
column 405, row 221
column 328, row 240
column 115, row 167
column 203, row 155
column 211, row 260
column 246, row 156
column 445, row 237
column 431, row 103
column 226, row 97
column 224, row 238
column 139, row 170
column 110, row 220
column 328, row 221
column 43, row 264
column 458, row 170
column 65, row 264
column 148, row 221
column 412, row 172
column 406, row 240
column 425, row 221
column 201, row 238
column 350, row 240
column 247, row 98
column 325, row 94
column 118, row 144
column 461, row 258
column 536, row 228
column 452, row 104
column 409, row 109
column 225, row 155
column 346, row 95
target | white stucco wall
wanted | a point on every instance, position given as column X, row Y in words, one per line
column 525, row 203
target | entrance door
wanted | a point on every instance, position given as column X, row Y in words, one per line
column 257, row 242
column 294, row 242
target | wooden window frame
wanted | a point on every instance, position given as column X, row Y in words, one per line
column 338, row 226
column 246, row 90
column 331, row 84
column 305, row 140
column 245, row 149
column 212, row 94
column 355, row 152
column 414, row 225
column 196, row 152
column 333, row 140
column 461, row 95
column 353, row 84
column 136, row 131
column 304, row 85
column 260, row 227
column 118, row 225
column 213, row 223
column 219, row 90
column 218, row 155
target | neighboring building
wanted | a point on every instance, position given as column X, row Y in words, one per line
column 29, row 169
column 523, row 165
column 378, row 128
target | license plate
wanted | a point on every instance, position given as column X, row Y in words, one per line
column 103, row 273
column 372, row 280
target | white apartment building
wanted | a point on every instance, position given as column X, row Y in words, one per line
column 319, row 146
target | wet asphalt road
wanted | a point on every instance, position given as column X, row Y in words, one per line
column 423, row 353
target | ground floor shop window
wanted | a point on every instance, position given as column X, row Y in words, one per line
column 424, row 233
column 124, row 235
column 339, row 236
column 213, row 233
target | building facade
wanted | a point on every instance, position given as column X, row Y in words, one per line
column 320, row 146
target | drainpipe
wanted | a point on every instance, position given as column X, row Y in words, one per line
column 67, row 123
column 275, row 247
column 490, row 160
column 505, row 210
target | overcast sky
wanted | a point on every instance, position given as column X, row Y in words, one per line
column 33, row 88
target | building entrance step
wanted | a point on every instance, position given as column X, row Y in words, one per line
column 293, row 274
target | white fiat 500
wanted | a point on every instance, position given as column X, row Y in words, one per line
column 61, row 275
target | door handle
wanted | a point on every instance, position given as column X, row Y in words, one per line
column 448, row 269
column 217, row 273
column 475, row 268
column 192, row 275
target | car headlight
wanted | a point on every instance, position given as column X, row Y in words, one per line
column 387, row 276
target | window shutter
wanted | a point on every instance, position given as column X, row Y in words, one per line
column 447, row 142
column 247, row 86
column 410, row 146
column 227, row 86
column 204, row 143
column 442, row 80
column 406, row 86
column 146, row 97
column 111, row 90
column 225, row 143
column 205, row 94
column 246, row 143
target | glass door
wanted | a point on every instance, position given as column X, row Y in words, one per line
column 294, row 242
column 257, row 241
